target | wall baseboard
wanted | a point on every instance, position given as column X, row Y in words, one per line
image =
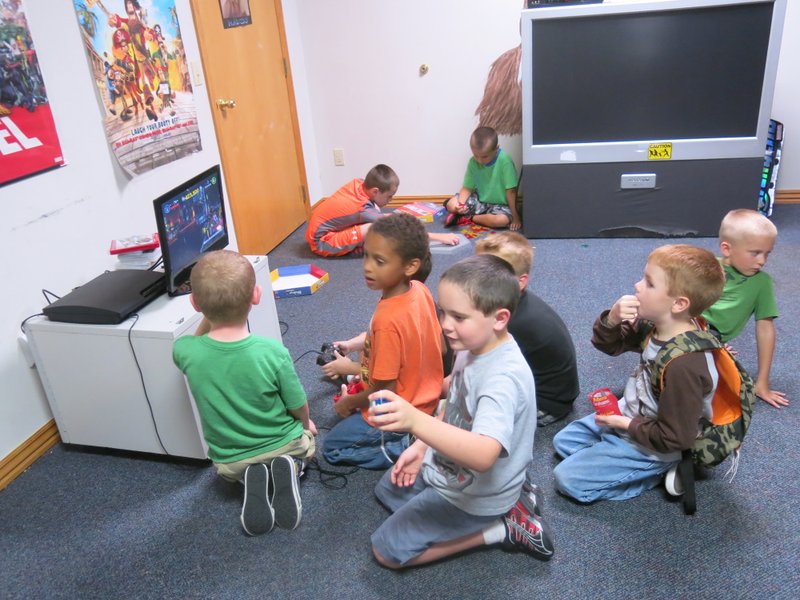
column 27, row 453
column 787, row 197
column 400, row 200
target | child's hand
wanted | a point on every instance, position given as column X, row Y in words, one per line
column 515, row 224
column 624, row 309
column 312, row 427
column 448, row 239
column 615, row 421
column 405, row 470
column 395, row 414
column 341, row 365
column 342, row 407
column 772, row 397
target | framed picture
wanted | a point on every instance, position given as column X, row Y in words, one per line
column 235, row 13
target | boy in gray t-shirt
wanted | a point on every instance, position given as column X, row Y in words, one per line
column 474, row 457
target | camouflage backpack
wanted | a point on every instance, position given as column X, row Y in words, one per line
column 733, row 401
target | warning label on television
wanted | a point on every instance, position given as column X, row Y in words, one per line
column 661, row 151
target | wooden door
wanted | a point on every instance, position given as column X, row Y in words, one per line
column 258, row 136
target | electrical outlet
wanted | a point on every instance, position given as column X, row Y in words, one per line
column 338, row 157
column 197, row 73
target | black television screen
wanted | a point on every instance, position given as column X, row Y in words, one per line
column 681, row 74
column 191, row 221
column 620, row 81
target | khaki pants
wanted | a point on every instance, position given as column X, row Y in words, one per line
column 302, row 448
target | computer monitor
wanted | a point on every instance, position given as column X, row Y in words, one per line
column 191, row 221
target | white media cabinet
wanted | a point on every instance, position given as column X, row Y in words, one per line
column 96, row 392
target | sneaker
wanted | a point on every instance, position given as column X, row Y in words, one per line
column 257, row 514
column 451, row 220
column 543, row 419
column 285, row 492
column 531, row 498
column 673, row 482
column 525, row 531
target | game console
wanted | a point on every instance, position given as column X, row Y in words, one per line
column 109, row 298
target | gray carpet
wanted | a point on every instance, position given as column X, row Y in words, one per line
column 88, row 523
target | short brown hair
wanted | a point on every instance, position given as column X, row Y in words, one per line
column 743, row 222
column 382, row 177
column 692, row 272
column 488, row 281
column 483, row 138
column 512, row 247
column 222, row 287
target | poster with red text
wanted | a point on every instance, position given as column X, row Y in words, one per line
column 28, row 139
column 137, row 57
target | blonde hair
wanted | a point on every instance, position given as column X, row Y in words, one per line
column 222, row 287
column 512, row 247
column 692, row 272
column 741, row 223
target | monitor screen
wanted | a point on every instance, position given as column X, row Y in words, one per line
column 604, row 81
column 191, row 221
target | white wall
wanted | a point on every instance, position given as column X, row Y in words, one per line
column 362, row 62
column 366, row 96
column 56, row 227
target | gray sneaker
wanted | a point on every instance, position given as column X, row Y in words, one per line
column 286, row 492
column 257, row 514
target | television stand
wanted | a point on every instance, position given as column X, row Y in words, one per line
column 586, row 200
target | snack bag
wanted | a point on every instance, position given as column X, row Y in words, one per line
column 604, row 402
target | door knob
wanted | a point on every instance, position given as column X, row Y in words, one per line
column 225, row 104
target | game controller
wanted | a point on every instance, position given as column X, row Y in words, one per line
column 378, row 401
column 327, row 353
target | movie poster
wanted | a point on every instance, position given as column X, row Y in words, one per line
column 137, row 57
column 28, row 139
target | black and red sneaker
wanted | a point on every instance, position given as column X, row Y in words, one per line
column 525, row 531
column 451, row 220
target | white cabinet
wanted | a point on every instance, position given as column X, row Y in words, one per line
column 115, row 386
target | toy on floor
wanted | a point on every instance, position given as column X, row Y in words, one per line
column 474, row 231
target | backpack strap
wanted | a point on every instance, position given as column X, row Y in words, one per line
column 733, row 401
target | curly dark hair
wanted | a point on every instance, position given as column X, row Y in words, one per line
column 408, row 238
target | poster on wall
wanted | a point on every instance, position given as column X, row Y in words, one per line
column 235, row 13
column 28, row 139
column 138, row 61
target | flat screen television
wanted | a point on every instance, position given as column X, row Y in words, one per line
column 191, row 221
column 618, row 81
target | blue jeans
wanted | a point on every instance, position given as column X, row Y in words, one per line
column 600, row 465
column 353, row 441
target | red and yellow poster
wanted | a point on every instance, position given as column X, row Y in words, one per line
column 28, row 139
column 136, row 53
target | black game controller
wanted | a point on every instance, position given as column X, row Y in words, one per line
column 327, row 353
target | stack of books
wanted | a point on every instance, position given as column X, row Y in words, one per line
column 135, row 252
column 424, row 211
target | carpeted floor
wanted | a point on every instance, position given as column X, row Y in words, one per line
column 88, row 523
